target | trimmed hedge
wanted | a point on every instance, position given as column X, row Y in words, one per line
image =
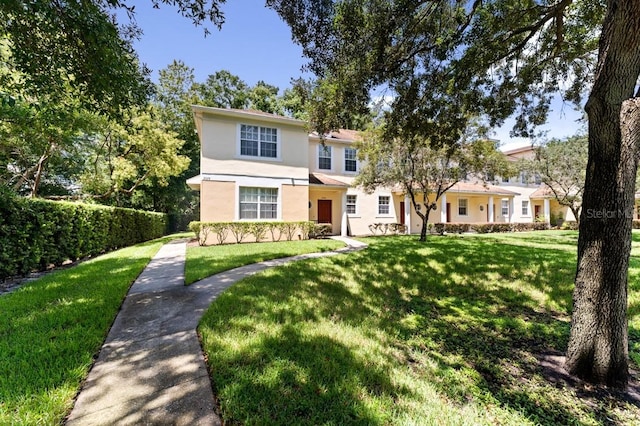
column 37, row 233
column 259, row 230
column 485, row 228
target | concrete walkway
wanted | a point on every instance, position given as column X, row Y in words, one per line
column 151, row 369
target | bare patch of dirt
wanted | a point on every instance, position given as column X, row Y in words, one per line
column 552, row 368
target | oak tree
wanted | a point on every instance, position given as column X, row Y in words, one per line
column 501, row 58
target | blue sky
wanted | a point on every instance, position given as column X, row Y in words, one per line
column 255, row 44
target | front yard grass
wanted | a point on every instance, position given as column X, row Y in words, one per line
column 454, row 331
column 209, row 260
column 51, row 328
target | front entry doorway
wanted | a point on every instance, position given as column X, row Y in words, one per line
column 324, row 211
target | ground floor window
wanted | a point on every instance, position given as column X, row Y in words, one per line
column 383, row 204
column 525, row 208
column 463, row 207
column 258, row 203
column 351, row 204
column 505, row 208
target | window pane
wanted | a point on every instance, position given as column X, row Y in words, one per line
column 259, row 203
column 268, row 149
column 351, row 204
column 505, row 208
column 525, row 208
column 249, row 194
column 324, row 157
column 383, row 204
column 248, row 210
column 249, row 148
column 268, row 211
column 462, row 207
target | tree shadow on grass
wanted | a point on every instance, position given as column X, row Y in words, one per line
column 468, row 316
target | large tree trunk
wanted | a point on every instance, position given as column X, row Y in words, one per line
column 598, row 345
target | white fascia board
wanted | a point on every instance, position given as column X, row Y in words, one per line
column 255, row 181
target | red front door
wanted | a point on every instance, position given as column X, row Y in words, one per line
column 536, row 210
column 448, row 212
column 402, row 212
column 324, row 211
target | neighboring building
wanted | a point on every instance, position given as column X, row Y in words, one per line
column 260, row 166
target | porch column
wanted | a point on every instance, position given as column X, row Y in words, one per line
column 547, row 211
column 407, row 213
column 443, row 208
column 490, row 209
column 512, row 207
column 344, row 223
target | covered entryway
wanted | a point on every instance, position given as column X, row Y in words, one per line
column 324, row 211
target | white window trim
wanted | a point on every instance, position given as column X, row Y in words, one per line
column 378, row 214
column 528, row 213
column 239, row 155
column 331, row 149
column 256, row 182
column 357, row 210
column 502, row 208
column 344, row 161
column 466, row 207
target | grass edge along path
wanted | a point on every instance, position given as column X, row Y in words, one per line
column 204, row 261
column 52, row 328
column 446, row 332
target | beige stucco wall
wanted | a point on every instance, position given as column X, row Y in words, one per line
column 367, row 210
column 337, row 159
column 220, row 149
column 295, row 203
column 217, row 201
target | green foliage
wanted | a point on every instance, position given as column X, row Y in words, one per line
column 444, row 61
column 241, row 230
column 426, row 168
column 562, row 166
column 486, row 228
column 37, row 233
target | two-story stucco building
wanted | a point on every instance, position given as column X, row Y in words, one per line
column 260, row 166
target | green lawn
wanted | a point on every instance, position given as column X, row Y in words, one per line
column 447, row 332
column 51, row 328
column 206, row 261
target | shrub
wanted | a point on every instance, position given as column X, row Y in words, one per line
column 570, row 225
column 37, row 233
column 240, row 230
column 320, row 230
column 258, row 229
column 276, row 227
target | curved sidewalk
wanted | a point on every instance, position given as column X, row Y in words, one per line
column 151, row 369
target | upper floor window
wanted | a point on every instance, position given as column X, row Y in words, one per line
column 538, row 178
column 258, row 141
column 351, row 204
column 505, row 179
column 463, row 207
column 258, row 203
column 350, row 164
column 383, row 204
column 324, row 157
